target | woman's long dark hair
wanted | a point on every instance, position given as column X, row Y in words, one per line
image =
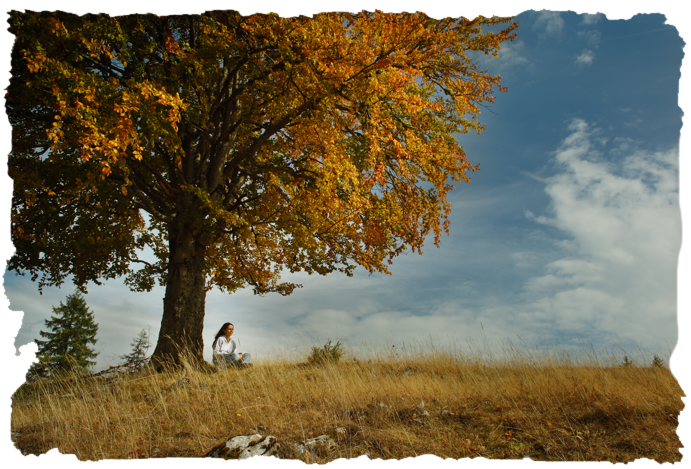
column 220, row 333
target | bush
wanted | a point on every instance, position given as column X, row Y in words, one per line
column 328, row 353
column 627, row 362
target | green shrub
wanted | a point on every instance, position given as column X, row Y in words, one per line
column 328, row 353
column 627, row 362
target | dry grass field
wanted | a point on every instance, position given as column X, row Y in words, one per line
column 549, row 407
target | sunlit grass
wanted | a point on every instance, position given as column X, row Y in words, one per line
column 518, row 402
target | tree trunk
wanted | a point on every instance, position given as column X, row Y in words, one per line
column 183, row 304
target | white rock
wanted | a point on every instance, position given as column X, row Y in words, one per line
column 233, row 447
column 241, row 442
column 318, row 445
column 266, row 447
column 320, row 442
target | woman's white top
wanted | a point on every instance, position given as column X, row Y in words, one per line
column 224, row 347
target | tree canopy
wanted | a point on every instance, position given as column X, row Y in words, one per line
column 236, row 147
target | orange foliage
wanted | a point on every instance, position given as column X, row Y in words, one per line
column 312, row 144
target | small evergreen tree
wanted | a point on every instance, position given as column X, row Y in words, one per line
column 72, row 332
column 136, row 359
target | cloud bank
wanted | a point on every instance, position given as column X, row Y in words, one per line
column 617, row 279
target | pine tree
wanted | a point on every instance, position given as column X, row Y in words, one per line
column 136, row 359
column 68, row 344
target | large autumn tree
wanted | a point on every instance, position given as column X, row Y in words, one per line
column 235, row 147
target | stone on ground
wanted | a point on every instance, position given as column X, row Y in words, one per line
column 320, row 445
column 245, row 446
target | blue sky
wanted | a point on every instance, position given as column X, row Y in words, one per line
column 570, row 232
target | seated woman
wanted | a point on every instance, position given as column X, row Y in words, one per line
column 225, row 354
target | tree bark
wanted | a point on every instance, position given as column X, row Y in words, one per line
column 183, row 305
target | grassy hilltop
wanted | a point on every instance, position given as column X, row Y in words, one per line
column 386, row 405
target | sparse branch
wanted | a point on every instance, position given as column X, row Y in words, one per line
column 151, row 208
column 149, row 193
column 272, row 129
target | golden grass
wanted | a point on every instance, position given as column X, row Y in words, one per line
column 552, row 407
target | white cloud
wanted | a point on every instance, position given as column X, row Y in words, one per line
column 523, row 258
column 511, row 56
column 592, row 37
column 586, row 58
column 624, row 220
column 622, row 145
column 549, row 23
column 592, row 18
